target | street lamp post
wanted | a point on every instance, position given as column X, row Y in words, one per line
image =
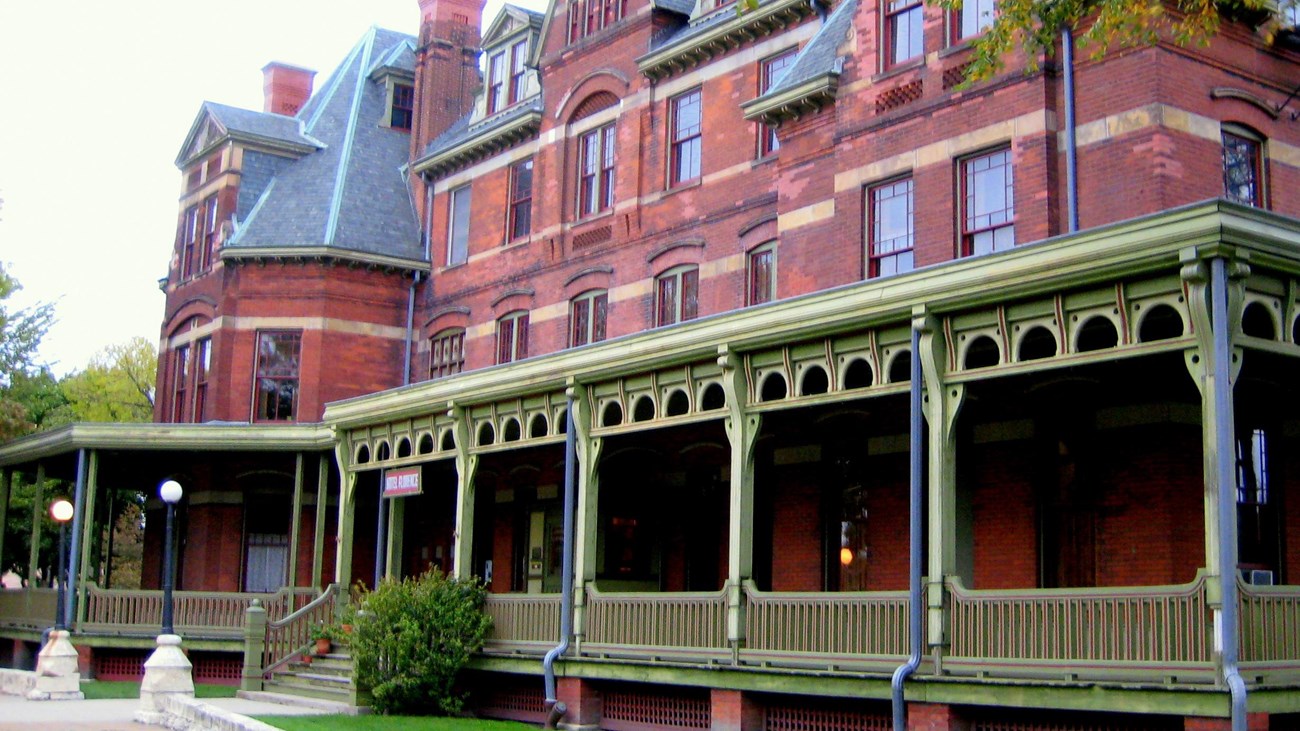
column 61, row 511
column 170, row 492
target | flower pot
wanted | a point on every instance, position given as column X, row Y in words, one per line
column 323, row 646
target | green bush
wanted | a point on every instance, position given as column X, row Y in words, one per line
column 413, row 636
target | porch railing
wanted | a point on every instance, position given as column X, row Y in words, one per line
column 523, row 623
column 1088, row 632
column 850, row 629
column 288, row 636
column 688, row 626
column 30, row 608
column 1270, row 629
column 195, row 613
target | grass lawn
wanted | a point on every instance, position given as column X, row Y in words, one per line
column 389, row 723
column 102, row 689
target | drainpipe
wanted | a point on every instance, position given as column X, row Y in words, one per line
column 74, row 557
column 914, row 529
column 1224, row 444
column 410, row 327
column 555, row 708
column 1071, row 159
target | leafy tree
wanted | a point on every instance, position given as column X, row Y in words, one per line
column 1034, row 26
column 117, row 385
column 24, row 384
column 413, row 636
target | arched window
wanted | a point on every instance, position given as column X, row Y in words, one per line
column 587, row 317
column 512, row 337
column 446, row 353
column 1243, row 166
column 677, row 294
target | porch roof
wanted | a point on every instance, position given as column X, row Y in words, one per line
column 1102, row 254
column 66, row 440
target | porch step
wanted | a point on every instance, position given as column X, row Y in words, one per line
column 286, row 699
column 327, row 678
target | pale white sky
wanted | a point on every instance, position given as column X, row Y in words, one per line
column 95, row 100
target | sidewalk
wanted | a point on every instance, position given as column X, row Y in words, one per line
column 114, row 715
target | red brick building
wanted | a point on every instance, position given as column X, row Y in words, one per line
column 728, row 251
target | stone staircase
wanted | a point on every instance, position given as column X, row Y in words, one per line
column 324, row 682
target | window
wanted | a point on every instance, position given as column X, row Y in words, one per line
column 596, row 174
column 496, row 97
column 521, row 200
column 588, row 16
column 446, row 353
column 512, row 337
column 277, row 376
column 889, row 227
column 972, row 19
column 762, row 274
column 403, row 107
column 189, row 242
column 458, row 228
column 987, row 204
column 686, row 138
column 518, row 59
column 587, row 318
column 202, row 366
column 1242, row 168
column 773, row 68
column 180, row 382
column 677, row 295
column 1252, row 467
column 209, row 233
column 903, row 38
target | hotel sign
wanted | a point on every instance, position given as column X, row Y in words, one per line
column 401, row 483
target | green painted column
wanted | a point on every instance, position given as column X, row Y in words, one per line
column 6, row 480
column 586, row 524
column 318, row 532
column 393, row 551
column 87, row 533
column 466, row 469
column 942, row 404
column 38, row 511
column 347, row 516
column 742, row 433
column 295, row 521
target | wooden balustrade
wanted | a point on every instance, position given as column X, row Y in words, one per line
column 1270, row 629
column 523, row 622
column 287, row 636
column 194, row 613
column 849, row 629
column 1081, row 632
column 683, row 625
column 29, row 609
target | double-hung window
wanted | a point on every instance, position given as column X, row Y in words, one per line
column 903, row 31
column 889, row 227
column 596, row 171
column 973, row 18
column 1243, row 170
column 202, row 366
column 446, row 353
column 677, row 295
column 762, row 274
column 687, row 114
column 180, row 382
column 512, row 337
column 276, row 397
column 496, row 96
column 518, row 58
column 587, row 317
column 458, row 227
column 773, row 68
column 403, row 110
column 987, row 203
column 209, row 233
column 190, row 242
column 521, row 200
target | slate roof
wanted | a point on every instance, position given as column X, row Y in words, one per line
column 465, row 129
column 681, row 7
column 820, row 55
column 278, row 127
column 351, row 194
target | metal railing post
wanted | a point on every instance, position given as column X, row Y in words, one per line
column 254, row 646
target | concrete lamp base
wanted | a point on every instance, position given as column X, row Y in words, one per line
column 57, row 677
column 167, row 672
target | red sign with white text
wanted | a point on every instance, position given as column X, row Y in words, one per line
column 401, row 483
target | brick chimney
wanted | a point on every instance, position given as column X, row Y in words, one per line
column 446, row 66
column 285, row 88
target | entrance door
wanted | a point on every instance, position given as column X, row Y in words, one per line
column 268, row 562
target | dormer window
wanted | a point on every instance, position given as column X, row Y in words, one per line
column 589, row 16
column 403, row 107
column 506, row 68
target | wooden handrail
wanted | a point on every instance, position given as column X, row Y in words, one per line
column 290, row 635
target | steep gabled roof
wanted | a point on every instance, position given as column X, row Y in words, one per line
column 218, row 122
column 718, row 32
column 351, row 195
column 812, row 80
column 399, row 61
column 509, row 21
column 469, row 140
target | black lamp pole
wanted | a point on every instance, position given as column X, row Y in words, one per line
column 61, row 511
column 170, row 491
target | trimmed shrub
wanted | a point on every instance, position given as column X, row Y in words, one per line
column 413, row 636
